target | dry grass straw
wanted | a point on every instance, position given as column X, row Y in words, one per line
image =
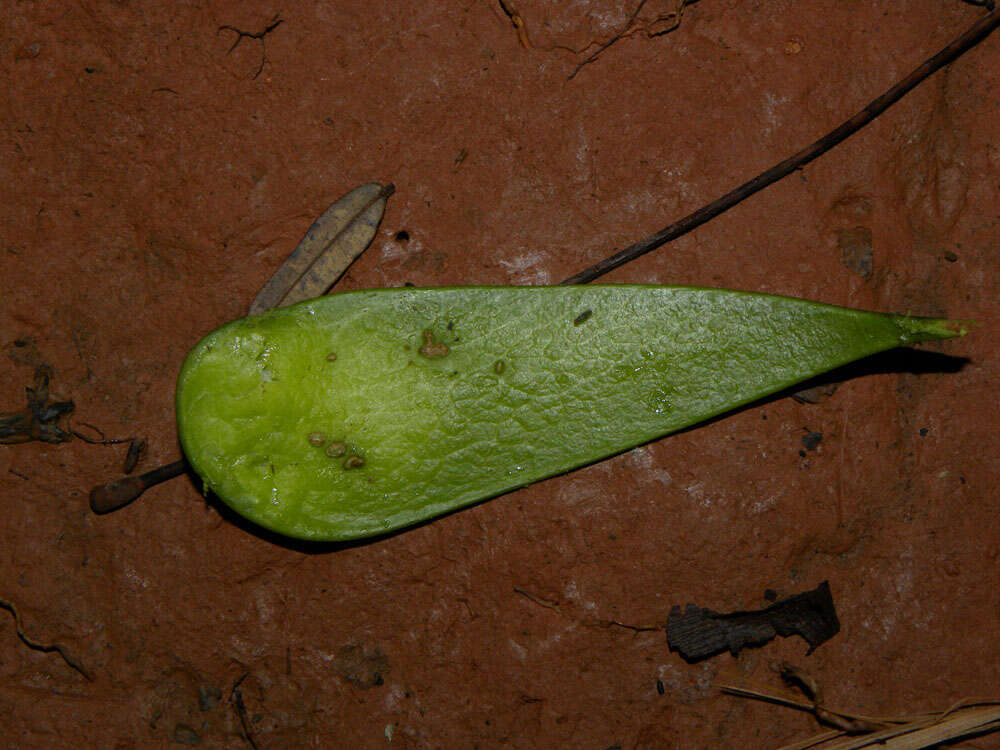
column 855, row 731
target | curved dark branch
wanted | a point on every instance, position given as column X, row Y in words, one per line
column 979, row 31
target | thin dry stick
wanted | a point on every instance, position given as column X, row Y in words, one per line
column 979, row 31
column 236, row 698
column 44, row 647
column 900, row 732
column 922, row 733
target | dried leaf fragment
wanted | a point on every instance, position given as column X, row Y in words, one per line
column 39, row 420
column 698, row 633
column 330, row 245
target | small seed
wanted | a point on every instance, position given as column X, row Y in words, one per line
column 317, row 439
column 498, row 366
column 331, row 357
column 336, row 450
column 353, row 462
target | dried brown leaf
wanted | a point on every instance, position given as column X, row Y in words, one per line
column 332, row 243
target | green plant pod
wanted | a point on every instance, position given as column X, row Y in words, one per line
column 362, row 412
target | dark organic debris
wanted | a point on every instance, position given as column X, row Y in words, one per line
column 39, row 420
column 697, row 633
column 208, row 697
column 236, row 699
column 811, row 440
column 136, row 450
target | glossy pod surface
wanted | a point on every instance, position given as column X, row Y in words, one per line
column 362, row 412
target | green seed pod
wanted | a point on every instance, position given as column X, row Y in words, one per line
column 442, row 432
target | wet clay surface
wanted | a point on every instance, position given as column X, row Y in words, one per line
column 154, row 176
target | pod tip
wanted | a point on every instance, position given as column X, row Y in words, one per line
column 930, row 329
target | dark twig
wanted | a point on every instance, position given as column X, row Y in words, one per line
column 44, row 647
column 236, row 698
column 979, row 31
column 259, row 35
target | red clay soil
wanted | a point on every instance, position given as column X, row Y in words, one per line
column 159, row 160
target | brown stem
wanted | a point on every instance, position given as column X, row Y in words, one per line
column 117, row 494
column 979, row 31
